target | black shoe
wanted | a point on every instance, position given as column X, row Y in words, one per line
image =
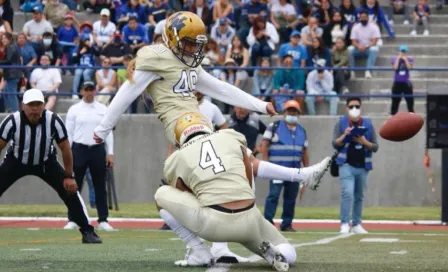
column 90, row 237
column 288, row 229
column 165, row 227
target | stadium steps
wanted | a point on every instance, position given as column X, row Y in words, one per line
column 376, row 108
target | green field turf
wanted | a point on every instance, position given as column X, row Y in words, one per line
column 148, row 210
column 139, row 250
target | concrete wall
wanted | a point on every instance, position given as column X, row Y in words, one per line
column 398, row 179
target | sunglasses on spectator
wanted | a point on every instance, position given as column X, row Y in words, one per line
column 354, row 106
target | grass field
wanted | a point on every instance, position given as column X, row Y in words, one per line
column 152, row 250
column 148, row 210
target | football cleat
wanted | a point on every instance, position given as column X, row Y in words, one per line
column 274, row 256
column 313, row 174
column 199, row 255
column 224, row 255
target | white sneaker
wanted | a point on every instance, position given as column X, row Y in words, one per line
column 345, row 228
column 406, row 22
column 359, row 229
column 413, row 33
column 75, row 97
column 273, row 256
column 312, row 175
column 71, row 225
column 426, row 33
column 345, row 90
column 199, row 255
column 105, row 226
column 368, row 74
column 352, row 75
column 224, row 255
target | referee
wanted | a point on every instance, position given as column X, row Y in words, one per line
column 31, row 133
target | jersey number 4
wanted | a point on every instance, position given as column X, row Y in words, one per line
column 210, row 159
column 186, row 83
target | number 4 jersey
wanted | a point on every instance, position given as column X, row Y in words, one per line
column 212, row 167
column 172, row 94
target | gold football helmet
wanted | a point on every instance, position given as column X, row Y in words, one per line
column 191, row 123
column 185, row 35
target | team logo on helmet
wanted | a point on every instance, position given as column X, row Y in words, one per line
column 177, row 22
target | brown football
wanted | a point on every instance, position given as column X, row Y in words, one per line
column 401, row 127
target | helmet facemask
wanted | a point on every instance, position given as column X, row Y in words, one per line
column 191, row 58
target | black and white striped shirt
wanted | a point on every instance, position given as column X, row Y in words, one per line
column 32, row 144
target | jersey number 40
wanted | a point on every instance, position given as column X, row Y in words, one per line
column 186, row 83
column 209, row 158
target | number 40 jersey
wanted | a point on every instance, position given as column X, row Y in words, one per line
column 172, row 93
column 212, row 167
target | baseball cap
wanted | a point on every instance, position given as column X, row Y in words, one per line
column 403, row 48
column 37, row 9
column 222, row 21
column 292, row 104
column 295, row 33
column 88, row 85
column 105, row 12
column 33, row 95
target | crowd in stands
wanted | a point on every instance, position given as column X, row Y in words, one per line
column 317, row 35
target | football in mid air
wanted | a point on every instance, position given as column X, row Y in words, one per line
column 401, row 127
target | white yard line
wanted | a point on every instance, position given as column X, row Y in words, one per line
column 256, row 258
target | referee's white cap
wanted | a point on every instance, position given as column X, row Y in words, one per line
column 33, row 95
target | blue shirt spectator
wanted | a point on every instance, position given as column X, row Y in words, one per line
column 377, row 15
column 295, row 49
column 318, row 51
column 67, row 34
column 157, row 12
column 26, row 50
column 252, row 9
column 348, row 11
column 129, row 10
column 135, row 34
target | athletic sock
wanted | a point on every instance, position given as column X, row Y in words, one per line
column 189, row 238
column 271, row 171
column 219, row 246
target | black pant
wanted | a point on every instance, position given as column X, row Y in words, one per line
column 53, row 174
column 94, row 158
column 402, row 88
column 340, row 79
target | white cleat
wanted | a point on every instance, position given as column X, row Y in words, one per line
column 345, row 229
column 105, row 226
column 359, row 229
column 274, row 256
column 71, row 225
column 199, row 255
column 313, row 174
column 224, row 255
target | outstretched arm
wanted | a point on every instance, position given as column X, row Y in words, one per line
column 127, row 93
column 227, row 93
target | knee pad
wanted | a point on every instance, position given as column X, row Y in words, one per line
column 289, row 252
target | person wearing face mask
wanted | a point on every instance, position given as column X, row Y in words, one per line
column 51, row 47
column 355, row 161
column 47, row 80
column 285, row 143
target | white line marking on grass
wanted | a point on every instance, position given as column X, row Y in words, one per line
column 152, row 249
column 219, row 268
column 30, row 249
column 379, row 240
column 401, row 252
column 33, row 229
column 174, row 239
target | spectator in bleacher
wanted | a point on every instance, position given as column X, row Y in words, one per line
column 106, row 81
column 4, row 26
column 222, row 34
column 364, row 36
column 201, row 9
column 103, row 29
column 263, row 80
column 349, row 13
column 288, row 84
column 84, row 57
column 249, row 12
column 262, row 39
column 7, row 12
column 249, row 124
column 311, row 31
column 27, row 52
column 337, row 28
column 156, row 13
column 121, row 73
column 54, row 12
column 135, row 34
column 340, row 58
column 320, row 82
column 324, row 12
column 2, row 48
column 212, row 52
column 116, row 49
column 35, row 28
column 295, row 49
column 376, row 15
column 47, row 80
column 223, row 9
column 282, row 15
column 239, row 54
column 11, row 75
column 318, row 51
column 304, row 12
column 400, row 7
column 238, row 78
column 132, row 9
column 160, row 26
column 421, row 16
column 96, row 5
column 51, row 47
column 68, row 37
column 402, row 65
